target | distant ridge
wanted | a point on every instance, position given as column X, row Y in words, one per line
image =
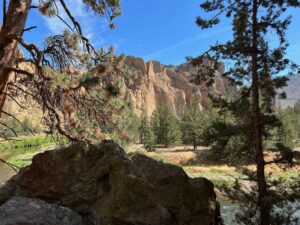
column 292, row 91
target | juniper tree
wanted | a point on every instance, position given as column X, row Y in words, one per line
column 71, row 81
column 165, row 126
column 256, row 65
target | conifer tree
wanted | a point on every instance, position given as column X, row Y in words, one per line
column 70, row 80
column 165, row 127
column 192, row 124
column 256, row 65
column 144, row 125
column 149, row 142
column 126, row 126
column 147, row 137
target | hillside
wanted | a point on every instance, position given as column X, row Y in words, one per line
column 292, row 91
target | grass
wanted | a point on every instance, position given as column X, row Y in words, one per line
column 198, row 164
column 26, row 142
column 20, row 152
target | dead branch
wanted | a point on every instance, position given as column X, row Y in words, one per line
column 29, row 28
column 12, row 166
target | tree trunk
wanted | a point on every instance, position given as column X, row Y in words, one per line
column 264, row 205
column 194, row 142
column 16, row 17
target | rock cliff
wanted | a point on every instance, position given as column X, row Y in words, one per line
column 157, row 85
column 153, row 85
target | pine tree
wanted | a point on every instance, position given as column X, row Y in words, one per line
column 165, row 127
column 70, row 80
column 126, row 125
column 286, row 133
column 144, row 125
column 147, row 137
column 192, row 124
column 256, row 66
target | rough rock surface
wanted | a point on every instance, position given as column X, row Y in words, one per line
column 157, row 85
column 154, row 85
column 28, row 211
column 107, row 187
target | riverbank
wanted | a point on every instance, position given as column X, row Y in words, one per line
column 26, row 142
column 195, row 163
column 198, row 163
column 20, row 153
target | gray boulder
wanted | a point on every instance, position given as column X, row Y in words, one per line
column 107, row 187
column 27, row 211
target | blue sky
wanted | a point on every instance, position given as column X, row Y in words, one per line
column 162, row 30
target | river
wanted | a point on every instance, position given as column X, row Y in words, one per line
column 24, row 155
column 19, row 156
column 229, row 210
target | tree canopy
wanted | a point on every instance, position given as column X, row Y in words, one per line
column 255, row 68
column 72, row 82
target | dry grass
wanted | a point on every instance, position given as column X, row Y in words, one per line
column 198, row 164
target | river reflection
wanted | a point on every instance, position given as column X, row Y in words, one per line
column 229, row 210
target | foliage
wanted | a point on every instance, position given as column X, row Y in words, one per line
column 24, row 128
column 255, row 66
column 71, row 81
column 26, row 142
column 126, row 123
column 165, row 126
column 192, row 123
column 147, row 137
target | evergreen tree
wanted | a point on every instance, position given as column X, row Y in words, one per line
column 149, row 142
column 144, row 125
column 256, row 66
column 286, row 133
column 165, row 126
column 192, row 124
column 147, row 137
column 126, row 126
column 70, row 79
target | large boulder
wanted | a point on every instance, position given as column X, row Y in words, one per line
column 107, row 187
column 27, row 211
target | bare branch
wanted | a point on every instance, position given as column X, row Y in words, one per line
column 223, row 10
column 10, row 115
column 15, row 70
column 5, row 125
column 12, row 166
column 29, row 28
column 15, row 100
column 65, row 22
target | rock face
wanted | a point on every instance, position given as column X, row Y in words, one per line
column 156, row 85
column 107, row 187
column 27, row 211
